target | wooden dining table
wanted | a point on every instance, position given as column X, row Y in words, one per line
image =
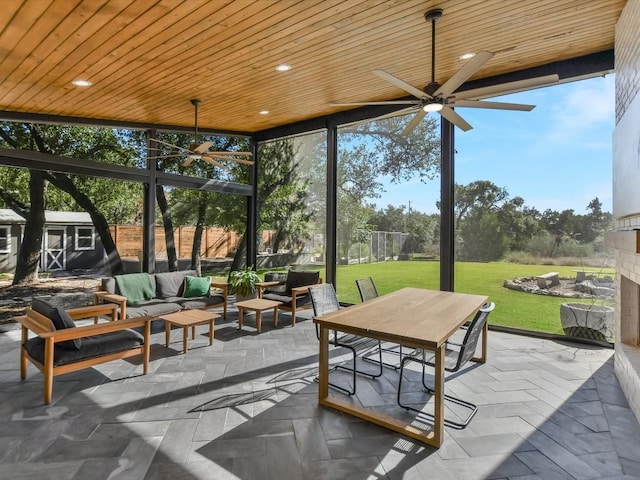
column 412, row 317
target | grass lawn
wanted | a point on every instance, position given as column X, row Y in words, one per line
column 514, row 309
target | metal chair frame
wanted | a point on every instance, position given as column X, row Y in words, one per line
column 324, row 300
column 368, row 291
column 463, row 353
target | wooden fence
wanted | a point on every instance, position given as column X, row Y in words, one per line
column 216, row 242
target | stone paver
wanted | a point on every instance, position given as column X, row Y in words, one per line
column 246, row 407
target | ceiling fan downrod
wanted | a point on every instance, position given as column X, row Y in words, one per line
column 195, row 102
column 433, row 16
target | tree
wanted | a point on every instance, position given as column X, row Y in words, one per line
column 78, row 142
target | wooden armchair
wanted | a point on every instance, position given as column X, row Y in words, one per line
column 296, row 291
column 60, row 347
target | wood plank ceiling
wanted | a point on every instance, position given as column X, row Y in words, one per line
column 148, row 58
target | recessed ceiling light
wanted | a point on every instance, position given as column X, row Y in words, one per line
column 82, row 83
column 283, row 67
column 467, row 56
column 263, row 112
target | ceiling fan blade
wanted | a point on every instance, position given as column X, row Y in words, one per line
column 223, row 157
column 495, row 105
column 414, row 122
column 401, row 84
column 241, row 154
column 390, row 102
column 454, row 118
column 214, row 162
column 202, row 147
column 166, row 156
column 509, row 87
column 170, row 145
column 188, row 161
column 462, row 75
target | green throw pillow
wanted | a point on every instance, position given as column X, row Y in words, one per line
column 196, row 286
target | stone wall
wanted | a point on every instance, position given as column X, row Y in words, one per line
column 627, row 350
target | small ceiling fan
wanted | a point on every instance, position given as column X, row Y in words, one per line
column 201, row 151
column 440, row 98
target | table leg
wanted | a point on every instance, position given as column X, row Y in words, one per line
column 211, row 332
column 193, row 332
column 185, row 339
column 323, row 364
column 259, row 320
column 275, row 317
column 438, row 419
column 240, row 313
column 167, row 332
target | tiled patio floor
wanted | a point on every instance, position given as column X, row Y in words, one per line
column 246, row 408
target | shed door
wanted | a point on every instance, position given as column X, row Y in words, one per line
column 55, row 242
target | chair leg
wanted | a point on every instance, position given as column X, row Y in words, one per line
column 458, row 401
column 355, row 371
column 395, row 366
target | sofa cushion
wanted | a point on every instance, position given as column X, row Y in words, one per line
column 137, row 287
column 171, row 284
column 152, row 308
column 196, row 286
column 201, row 302
column 60, row 319
column 296, row 278
column 94, row 346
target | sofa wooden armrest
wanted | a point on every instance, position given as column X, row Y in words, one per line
column 118, row 300
column 51, row 366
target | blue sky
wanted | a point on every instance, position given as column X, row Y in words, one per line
column 557, row 156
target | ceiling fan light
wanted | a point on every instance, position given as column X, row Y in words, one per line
column 432, row 107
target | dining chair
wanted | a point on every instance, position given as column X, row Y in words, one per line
column 368, row 291
column 456, row 356
column 325, row 300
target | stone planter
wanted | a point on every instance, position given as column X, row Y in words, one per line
column 242, row 298
column 584, row 320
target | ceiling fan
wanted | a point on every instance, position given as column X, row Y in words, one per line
column 440, row 98
column 201, row 151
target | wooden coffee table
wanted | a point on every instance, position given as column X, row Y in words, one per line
column 186, row 319
column 258, row 305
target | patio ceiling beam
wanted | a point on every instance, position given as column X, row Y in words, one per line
column 208, row 184
column 76, row 166
column 10, row 157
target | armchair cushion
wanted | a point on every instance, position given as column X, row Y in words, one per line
column 60, row 319
column 287, row 301
column 137, row 287
column 94, row 346
column 196, row 286
column 275, row 277
column 153, row 308
column 297, row 278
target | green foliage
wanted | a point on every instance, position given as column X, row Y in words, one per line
column 243, row 282
column 482, row 238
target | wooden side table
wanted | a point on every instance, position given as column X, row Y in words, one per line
column 186, row 319
column 257, row 305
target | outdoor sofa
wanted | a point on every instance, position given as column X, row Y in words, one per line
column 57, row 346
column 154, row 295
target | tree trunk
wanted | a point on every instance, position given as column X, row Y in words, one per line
column 278, row 240
column 167, row 222
column 240, row 255
column 197, row 236
column 63, row 182
column 31, row 246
